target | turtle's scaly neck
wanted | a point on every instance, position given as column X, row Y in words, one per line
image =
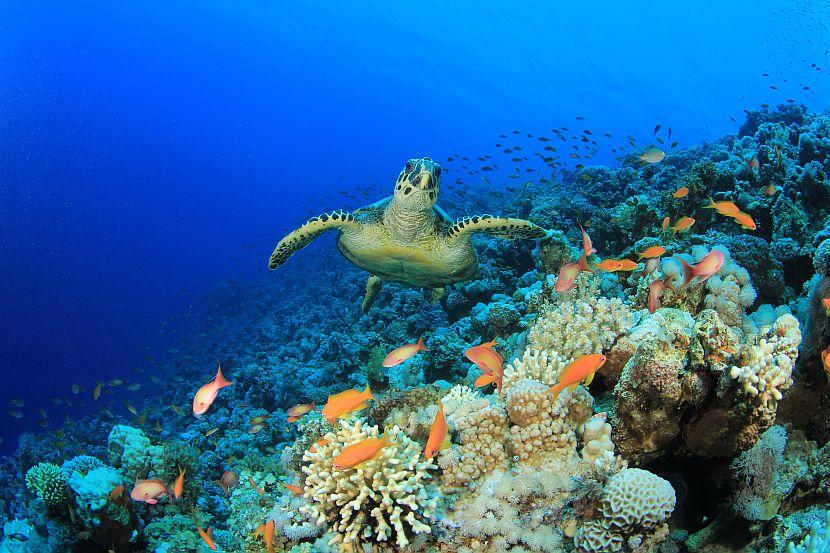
column 407, row 226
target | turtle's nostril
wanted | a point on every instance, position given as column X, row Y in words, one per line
column 409, row 167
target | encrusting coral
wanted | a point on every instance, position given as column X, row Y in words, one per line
column 386, row 502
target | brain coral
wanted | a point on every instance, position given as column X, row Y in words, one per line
column 387, row 499
column 47, row 481
column 635, row 507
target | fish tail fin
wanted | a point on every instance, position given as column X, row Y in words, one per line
column 447, row 443
column 554, row 390
column 711, row 204
column 368, row 393
column 220, row 380
column 669, row 281
column 688, row 270
column 420, row 345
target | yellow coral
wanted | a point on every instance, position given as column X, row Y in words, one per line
column 482, row 435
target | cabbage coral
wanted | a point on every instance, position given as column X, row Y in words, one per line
column 387, row 499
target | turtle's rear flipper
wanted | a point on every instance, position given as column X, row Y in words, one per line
column 373, row 285
column 505, row 227
column 303, row 236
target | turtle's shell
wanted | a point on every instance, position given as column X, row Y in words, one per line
column 428, row 260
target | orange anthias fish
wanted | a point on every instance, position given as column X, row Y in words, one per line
column 298, row 411
column 681, row 192
column 825, row 360
column 365, row 450
column 485, row 357
column 708, row 266
column 349, row 401
column 207, row 393
column 770, row 190
column 745, row 220
column 627, row 265
column 567, row 277
column 259, row 490
column 178, row 485
column 666, row 222
column 655, row 290
column 207, row 536
column 229, row 480
column 587, row 244
column 752, row 163
column 148, row 491
column 578, row 370
column 266, row 532
column 826, row 303
column 610, row 265
column 116, row 493
column 438, row 438
column 319, row 443
column 684, row 223
column 724, row 208
column 293, row 488
column 401, row 354
column 653, row 251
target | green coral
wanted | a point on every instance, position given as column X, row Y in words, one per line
column 174, row 533
column 177, row 455
column 131, row 450
column 47, row 481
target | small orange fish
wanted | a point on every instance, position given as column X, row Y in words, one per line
column 178, row 485
column 401, row 354
column 681, row 192
column 724, row 208
column 610, row 265
column 116, row 492
column 708, row 266
column 655, row 290
column 666, row 222
column 567, row 277
column 365, row 450
column 319, row 443
column 229, row 480
column 258, row 419
column 206, row 394
column 485, row 357
column 587, row 244
column 438, row 438
column 684, row 223
column 269, row 535
column 349, row 401
column 576, row 371
column 259, row 490
column 627, row 265
column 298, row 411
column 826, row 303
column 770, row 190
column 484, row 379
column 745, row 220
column 652, row 251
column 825, row 360
column 752, row 164
column 293, row 488
column 148, row 491
column 207, row 536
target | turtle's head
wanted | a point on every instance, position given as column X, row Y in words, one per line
column 417, row 186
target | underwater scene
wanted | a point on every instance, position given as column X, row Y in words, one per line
column 365, row 277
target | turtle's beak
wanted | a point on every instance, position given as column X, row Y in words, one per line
column 424, row 180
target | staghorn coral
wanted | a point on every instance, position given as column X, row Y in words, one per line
column 634, row 509
column 386, row 501
column 766, row 367
column 47, row 481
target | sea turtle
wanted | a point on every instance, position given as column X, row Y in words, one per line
column 406, row 238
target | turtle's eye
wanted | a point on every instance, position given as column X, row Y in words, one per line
column 409, row 167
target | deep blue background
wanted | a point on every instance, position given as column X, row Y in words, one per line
column 150, row 150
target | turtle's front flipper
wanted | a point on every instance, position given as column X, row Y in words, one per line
column 373, row 285
column 505, row 227
column 307, row 233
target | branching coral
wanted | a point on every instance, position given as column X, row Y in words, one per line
column 766, row 367
column 387, row 500
column 634, row 509
column 543, row 366
column 482, row 434
column 47, row 481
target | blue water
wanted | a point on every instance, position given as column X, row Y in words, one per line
column 151, row 151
